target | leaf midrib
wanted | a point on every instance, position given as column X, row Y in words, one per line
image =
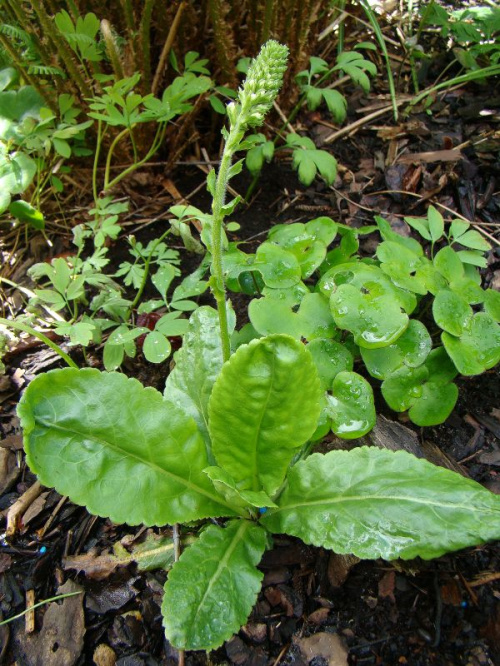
column 147, row 463
column 239, row 535
column 395, row 498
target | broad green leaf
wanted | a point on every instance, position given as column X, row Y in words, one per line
column 197, row 365
column 211, row 590
column 350, row 406
column 330, row 358
column 264, row 406
column 163, row 277
column 377, row 503
column 451, row 312
column 118, row 448
column 458, row 228
column 478, row 348
column 410, row 349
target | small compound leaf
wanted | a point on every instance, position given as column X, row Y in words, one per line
column 116, row 447
column 410, row 349
column 436, row 223
column 197, row 365
column 210, row 591
column 451, row 312
column 474, row 241
column 478, row 348
column 350, row 406
column 264, row 405
column 156, row 347
column 376, row 503
column 448, row 264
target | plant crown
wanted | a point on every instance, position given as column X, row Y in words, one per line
column 230, row 437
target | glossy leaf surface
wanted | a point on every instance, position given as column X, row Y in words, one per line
column 330, row 358
column 118, row 448
column 410, row 349
column 210, row 591
column 264, row 405
column 478, row 348
column 350, row 406
column 376, row 503
column 197, row 365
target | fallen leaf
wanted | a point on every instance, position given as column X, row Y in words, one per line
column 60, row 640
column 329, row 646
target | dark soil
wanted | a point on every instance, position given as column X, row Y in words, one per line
column 442, row 612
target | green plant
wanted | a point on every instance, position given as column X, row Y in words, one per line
column 230, row 438
column 34, row 142
column 373, row 308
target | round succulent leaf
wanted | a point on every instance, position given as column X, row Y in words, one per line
column 377, row 503
column 374, row 318
column 279, row 267
column 350, row 406
column 478, row 348
column 117, row 448
column 289, row 235
column 440, row 366
column 264, row 405
column 323, row 229
column 434, row 405
column 211, row 590
column 410, row 349
column 451, row 312
column 292, row 296
column 269, row 316
column 310, row 257
column 492, row 303
column 403, row 387
column 315, row 317
column 156, row 347
column 330, row 358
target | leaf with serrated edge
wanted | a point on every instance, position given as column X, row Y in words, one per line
column 210, row 591
column 376, row 503
column 118, row 448
column 197, row 365
column 264, row 405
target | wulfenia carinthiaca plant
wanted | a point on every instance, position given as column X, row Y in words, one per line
column 227, row 447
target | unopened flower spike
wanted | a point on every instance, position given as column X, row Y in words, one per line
column 262, row 85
